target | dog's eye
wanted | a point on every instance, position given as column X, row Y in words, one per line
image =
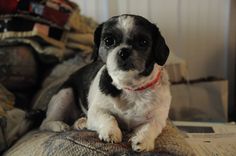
column 143, row 43
column 109, row 41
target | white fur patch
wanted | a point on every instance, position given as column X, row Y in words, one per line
column 126, row 23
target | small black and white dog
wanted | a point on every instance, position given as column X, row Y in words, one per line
column 125, row 87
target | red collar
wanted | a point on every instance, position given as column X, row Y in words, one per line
column 148, row 85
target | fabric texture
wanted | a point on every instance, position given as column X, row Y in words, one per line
column 49, row 35
column 12, row 120
column 85, row 142
column 7, row 100
column 6, row 103
column 18, row 67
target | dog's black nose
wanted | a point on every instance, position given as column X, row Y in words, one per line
column 124, row 53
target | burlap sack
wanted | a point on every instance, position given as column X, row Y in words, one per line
column 18, row 68
column 85, row 142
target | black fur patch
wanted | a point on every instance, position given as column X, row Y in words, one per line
column 106, row 86
column 80, row 81
column 148, row 69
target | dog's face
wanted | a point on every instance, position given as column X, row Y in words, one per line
column 130, row 43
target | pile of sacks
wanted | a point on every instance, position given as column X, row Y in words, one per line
column 51, row 27
column 35, row 35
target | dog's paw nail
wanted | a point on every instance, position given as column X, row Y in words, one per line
column 111, row 135
column 140, row 143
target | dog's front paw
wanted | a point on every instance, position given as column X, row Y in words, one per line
column 55, row 126
column 112, row 134
column 80, row 123
column 142, row 143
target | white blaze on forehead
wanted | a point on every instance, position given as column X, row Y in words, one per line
column 126, row 23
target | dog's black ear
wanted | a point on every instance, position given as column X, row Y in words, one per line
column 160, row 49
column 97, row 39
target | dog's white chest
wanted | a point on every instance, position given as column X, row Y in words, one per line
column 134, row 109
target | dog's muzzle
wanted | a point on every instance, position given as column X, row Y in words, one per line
column 124, row 60
column 124, row 53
